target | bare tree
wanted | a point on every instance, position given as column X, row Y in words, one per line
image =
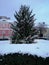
column 42, row 28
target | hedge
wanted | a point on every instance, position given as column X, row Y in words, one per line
column 22, row 59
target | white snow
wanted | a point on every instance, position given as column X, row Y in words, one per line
column 40, row 48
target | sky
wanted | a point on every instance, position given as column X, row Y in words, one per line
column 39, row 7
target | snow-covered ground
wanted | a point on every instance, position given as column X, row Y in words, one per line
column 41, row 48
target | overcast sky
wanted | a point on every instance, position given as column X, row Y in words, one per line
column 39, row 7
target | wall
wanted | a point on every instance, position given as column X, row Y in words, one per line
column 5, row 30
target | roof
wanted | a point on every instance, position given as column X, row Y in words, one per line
column 4, row 17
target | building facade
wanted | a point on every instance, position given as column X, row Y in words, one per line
column 5, row 27
column 46, row 34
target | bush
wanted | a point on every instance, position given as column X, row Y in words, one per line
column 23, row 59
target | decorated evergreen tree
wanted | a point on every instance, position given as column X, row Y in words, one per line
column 23, row 27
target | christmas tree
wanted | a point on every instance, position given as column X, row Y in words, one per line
column 23, row 27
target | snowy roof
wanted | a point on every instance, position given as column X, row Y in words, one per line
column 4, row 17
